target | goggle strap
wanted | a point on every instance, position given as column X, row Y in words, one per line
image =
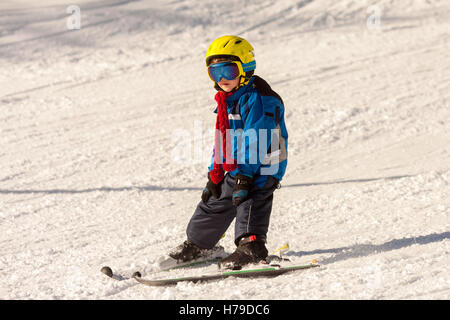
column 249, row 66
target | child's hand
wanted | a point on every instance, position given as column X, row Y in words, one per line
column 241, row 188
column 211, row 189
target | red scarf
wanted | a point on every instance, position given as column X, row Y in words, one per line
column 222, row 124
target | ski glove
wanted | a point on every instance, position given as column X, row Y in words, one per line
column 241, row 189
column 211, row 189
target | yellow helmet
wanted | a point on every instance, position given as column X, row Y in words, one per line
column 236, row 48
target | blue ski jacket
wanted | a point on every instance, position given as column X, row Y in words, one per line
column 259, row 138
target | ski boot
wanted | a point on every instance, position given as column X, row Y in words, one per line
column 251, row 249
column 189, row 251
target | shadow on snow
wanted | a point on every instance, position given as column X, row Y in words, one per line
column 161, row 188
column 362, row 250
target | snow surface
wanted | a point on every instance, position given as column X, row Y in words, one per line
column 91, row 123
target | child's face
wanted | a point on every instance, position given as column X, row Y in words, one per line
column 224, row 84
column 228, row 85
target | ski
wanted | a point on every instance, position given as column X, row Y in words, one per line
column 166, row 267
column 271, row 271
column 169, row 264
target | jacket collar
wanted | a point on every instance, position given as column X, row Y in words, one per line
column 242, row 90
column 235, row 96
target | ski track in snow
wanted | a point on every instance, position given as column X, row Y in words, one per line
column 88, row 133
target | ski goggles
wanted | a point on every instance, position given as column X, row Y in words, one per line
column 228, row 70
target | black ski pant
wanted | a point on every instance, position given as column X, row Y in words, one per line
column 212, row 219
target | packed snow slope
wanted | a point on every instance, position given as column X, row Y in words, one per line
column 106, row 134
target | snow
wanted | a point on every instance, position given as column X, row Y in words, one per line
column 92, row 172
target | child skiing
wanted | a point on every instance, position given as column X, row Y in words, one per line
column 249, row 159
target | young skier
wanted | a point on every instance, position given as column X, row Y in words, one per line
column 249, row 159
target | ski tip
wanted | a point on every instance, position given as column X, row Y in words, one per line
column 107, row 270
column 137, row 274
